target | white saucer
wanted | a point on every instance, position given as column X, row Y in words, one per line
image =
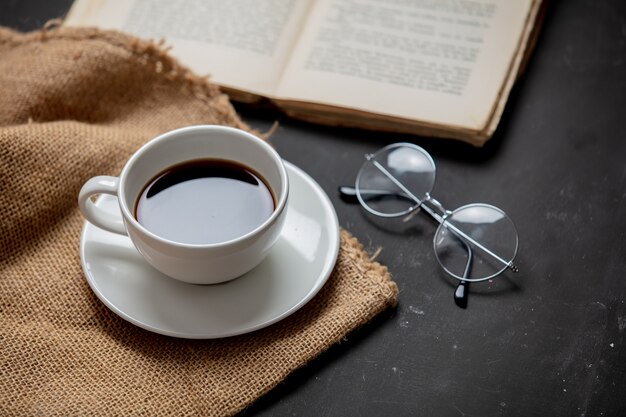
column 296, row 269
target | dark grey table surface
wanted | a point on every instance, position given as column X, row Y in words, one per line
column 546, row 341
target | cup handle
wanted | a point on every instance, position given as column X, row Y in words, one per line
column 100, row 185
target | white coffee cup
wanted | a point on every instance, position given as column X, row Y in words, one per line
column 192, row 263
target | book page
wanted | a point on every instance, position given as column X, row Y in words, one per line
column 242, row 44
column 442, row 62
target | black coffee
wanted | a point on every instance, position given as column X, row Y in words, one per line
column 204, row 201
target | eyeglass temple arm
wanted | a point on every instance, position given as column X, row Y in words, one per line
column 462, row 290
column 441, row 219
column 348, row 194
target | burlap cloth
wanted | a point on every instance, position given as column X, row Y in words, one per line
column 75, row 103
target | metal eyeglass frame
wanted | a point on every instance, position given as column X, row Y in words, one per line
column 436, row 210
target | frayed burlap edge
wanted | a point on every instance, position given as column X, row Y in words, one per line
column 150, row 52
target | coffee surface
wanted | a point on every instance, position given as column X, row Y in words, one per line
column 204, row 201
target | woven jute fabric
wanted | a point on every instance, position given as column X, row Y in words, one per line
column 75, row 103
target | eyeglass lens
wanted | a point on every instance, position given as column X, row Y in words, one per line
column 485, row 224
column 380, row 194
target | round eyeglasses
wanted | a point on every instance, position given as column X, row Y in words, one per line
column 473, row 243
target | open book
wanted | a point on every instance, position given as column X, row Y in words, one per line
column 436, row 68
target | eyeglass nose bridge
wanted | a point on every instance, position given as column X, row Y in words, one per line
column 433, row 207
column 437, row 207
